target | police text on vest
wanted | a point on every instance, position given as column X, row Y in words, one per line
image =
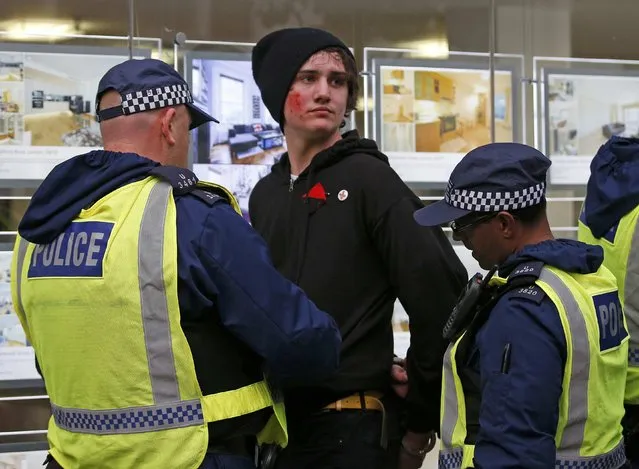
column 76, row 252
column 612, row 330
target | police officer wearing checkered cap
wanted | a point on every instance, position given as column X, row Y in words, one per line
column 535, row 370
column 153, row 307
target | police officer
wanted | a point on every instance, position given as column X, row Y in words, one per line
column 609, row 219
column 152, row 306
column 535, row 371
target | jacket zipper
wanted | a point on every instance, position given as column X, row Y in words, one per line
column 290, row 184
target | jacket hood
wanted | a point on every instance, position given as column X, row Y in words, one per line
column 74, row 185
column 350, row 144
column 565, row 254
column 613, row 186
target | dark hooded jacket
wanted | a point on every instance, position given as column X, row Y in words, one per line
column 344, row 231
column 613, row 186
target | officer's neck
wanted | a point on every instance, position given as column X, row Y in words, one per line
column 146, row 149
column 530, row 236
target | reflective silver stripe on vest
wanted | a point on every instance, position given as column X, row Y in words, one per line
column 631, row 300
column 22, row 252
column 577, row 401
column 155, row 311
column 451, row 458
column 131, row 420
column 168, row 411
column 568, row 452
column 451, row 404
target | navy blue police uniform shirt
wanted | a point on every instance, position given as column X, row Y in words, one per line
column 519, row 410
column 220, row 260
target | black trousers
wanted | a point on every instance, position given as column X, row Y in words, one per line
column 347, row 439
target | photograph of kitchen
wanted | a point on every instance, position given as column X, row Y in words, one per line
column 427, row 110
column 585, row 111
column 246, row 134
column 239, row 179
column 48, row 99
column 11, row 98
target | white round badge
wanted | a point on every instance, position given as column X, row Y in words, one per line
column 342, row 195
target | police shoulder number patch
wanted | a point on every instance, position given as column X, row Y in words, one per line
column 531, row 293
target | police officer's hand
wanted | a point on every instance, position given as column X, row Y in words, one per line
column 414, row 448
column 399, row 377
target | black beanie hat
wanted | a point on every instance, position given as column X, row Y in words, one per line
column 277, row 58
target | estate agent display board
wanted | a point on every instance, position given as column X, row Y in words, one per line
column 47, row 104
column 17, row 360
column 427, row 114
column 581, row 104
column 22, row 460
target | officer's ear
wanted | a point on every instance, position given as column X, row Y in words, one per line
column 507, row 224
column 169, row 125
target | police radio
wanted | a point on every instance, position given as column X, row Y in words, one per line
column 466, row 306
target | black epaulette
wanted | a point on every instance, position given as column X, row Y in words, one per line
column 184, row 181
column 521, row 282
column 208, row 197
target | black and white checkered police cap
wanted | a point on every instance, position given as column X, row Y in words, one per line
column 144, row 85
column 491, row 178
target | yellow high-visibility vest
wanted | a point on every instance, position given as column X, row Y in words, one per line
column 621, row 257
column 100, row 306
column 591, row 405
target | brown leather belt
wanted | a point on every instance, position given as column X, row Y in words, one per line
column 359, row 401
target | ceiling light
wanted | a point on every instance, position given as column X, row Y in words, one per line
column 434, row 44
column 435, row 47
column 38, row 30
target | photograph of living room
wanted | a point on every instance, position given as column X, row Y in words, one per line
column 443, row 110
column 585, row 111
column 239, row 179
column 246, row 134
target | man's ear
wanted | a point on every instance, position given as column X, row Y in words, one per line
column 169, row 128
column 507, row 224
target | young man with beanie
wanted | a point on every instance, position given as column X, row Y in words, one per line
column 339, row 223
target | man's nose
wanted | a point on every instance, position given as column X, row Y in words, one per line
column 322, row 90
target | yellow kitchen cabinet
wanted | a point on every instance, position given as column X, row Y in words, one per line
column 447, row 88
column 426, row 86
column 427, row 137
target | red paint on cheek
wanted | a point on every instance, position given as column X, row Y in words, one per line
column 294, row 102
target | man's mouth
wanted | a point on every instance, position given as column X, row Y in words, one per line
column 321, row 109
